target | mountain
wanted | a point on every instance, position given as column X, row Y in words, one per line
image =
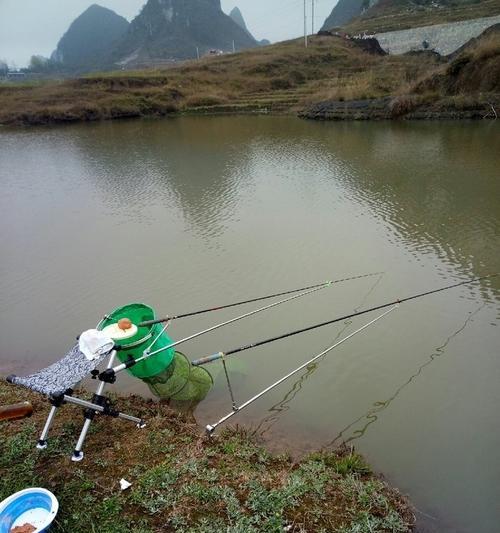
column 175, row 29
column 345, row 11
column 89, row 39
column 237, row 16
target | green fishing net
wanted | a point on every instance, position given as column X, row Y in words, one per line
column 181, row 381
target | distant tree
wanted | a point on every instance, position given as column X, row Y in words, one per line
column 4, row 68
column 38, row 63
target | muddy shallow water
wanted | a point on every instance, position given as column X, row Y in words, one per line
column 194, row 212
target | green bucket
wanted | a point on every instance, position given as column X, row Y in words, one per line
column 135, row 346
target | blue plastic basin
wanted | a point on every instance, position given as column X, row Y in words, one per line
column 35, row 506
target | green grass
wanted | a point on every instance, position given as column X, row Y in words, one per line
column 184, row 482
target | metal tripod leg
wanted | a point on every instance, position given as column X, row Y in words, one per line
column 42, row 441
column 100, row 409
column 89, row 415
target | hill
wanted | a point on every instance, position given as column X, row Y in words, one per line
column 88, row 41
column 237, row 16
column 345, row 11
column 465, row 85
column 179, row 29
column 475, row 68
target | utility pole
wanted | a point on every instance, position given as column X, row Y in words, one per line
column 234, row 47
column 312, row 17
column 198, row 53
column 305, row 24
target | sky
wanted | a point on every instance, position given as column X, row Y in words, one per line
column 29, row 27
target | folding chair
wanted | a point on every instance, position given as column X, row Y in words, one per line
column 57, row 382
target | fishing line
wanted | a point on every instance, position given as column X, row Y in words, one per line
column 148, row 353
column 252, row 300
column 284, row 404
column 371, row 415
column 212, row 427
column 110, row 373
column 217, row 356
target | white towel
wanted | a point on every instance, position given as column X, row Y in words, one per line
column 93, row 343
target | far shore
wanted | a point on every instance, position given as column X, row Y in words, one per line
column 333, row 79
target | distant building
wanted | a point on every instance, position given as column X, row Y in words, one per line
column 16, row 75
column 215, row 52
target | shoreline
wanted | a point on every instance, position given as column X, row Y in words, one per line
column 378, row 109
column 182, row 481
column 401, row 109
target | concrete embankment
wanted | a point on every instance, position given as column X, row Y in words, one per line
column 443, row 38
column 408, row 108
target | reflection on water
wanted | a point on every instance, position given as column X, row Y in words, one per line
column 192, row 212
column 417, row 181
column 284, row 405
column 346, row 436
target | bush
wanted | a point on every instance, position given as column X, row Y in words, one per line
column 280, row 83
column 402, row 105
column 204, row 100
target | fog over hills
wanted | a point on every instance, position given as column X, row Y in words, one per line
column 179, row 29
column 29, row 27
column 88, row 40
column 237, row 16
column 344, row 12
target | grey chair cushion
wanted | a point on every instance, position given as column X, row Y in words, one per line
column 62, row 375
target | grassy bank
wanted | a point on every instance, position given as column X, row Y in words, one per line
column 464, row 86
column 281, row 78
column 181, row 481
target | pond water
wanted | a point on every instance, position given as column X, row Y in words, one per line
column 196, row 211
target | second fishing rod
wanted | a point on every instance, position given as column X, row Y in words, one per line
column 221, row 355
column 109, row 374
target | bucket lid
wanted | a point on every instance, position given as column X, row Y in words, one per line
column 137, row 313
column 113, row 331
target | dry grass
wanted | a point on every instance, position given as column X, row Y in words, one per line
column 487, row 47
column 357, row 87
column 282, row 77
column 474, row 73
column 402, row 105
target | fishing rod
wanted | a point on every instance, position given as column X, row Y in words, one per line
column 210, row 428
column 109, row 373
column 221, row 355
column 252, row 300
